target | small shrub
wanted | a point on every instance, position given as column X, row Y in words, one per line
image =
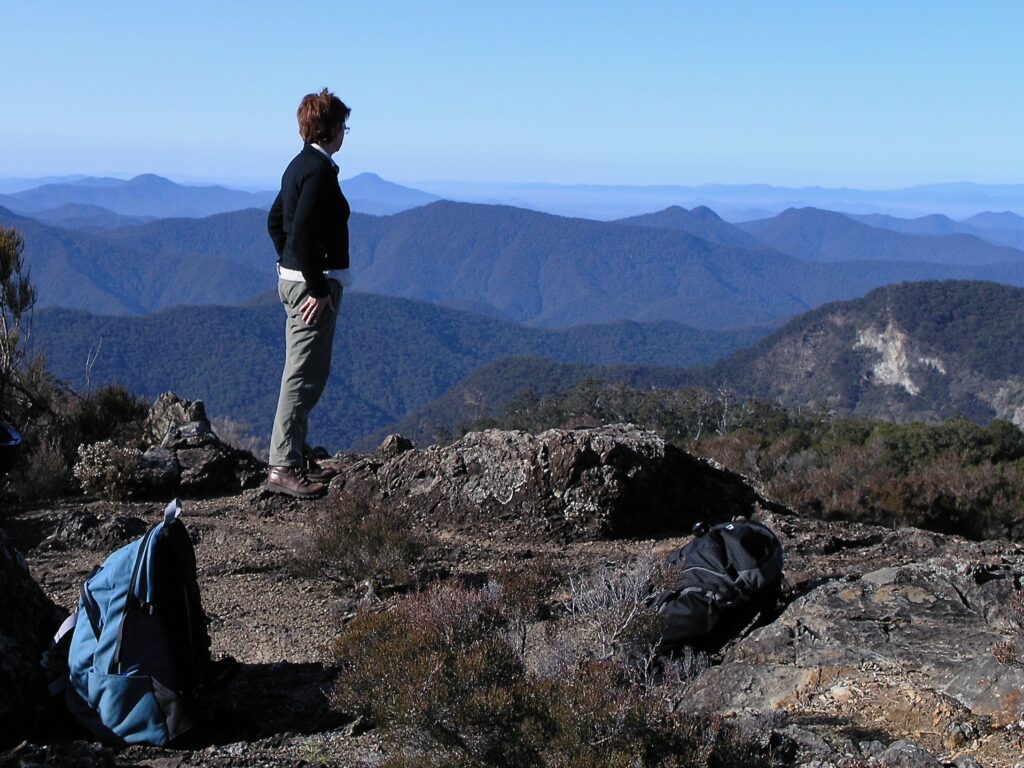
column 42, row 473
column 108, row 470
column 439, row 671
column 610, row 609
column 355, row 541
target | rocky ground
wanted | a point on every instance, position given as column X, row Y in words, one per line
column 891, row 651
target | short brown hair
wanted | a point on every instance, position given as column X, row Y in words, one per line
column 321, row 116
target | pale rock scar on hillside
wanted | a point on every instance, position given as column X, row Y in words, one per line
column 897, row 360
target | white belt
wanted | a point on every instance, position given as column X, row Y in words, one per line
column 295, row 276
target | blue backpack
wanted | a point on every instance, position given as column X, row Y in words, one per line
column 140, row 647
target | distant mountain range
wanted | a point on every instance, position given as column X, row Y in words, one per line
column 1000, row 228
column 391, row 356
column 520, row 265
column 815, row 235
column 371, row 194
column 735, row 202
column 146, row 195
column 88, row 270
column 701, row 222
column 91, row 202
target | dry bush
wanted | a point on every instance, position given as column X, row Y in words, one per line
column 108, row 470
column 53, row 436
column 108, row 413
column 355, row 541
column 441, row 671
column 42, row 473
column 739, row 451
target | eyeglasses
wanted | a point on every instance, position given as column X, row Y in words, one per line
column 345, row 129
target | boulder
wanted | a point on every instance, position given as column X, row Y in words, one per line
column 217, row 468
column 612, row 481
column 893, row 647
column 28, row 619
column 158, row 470
column 170, row 412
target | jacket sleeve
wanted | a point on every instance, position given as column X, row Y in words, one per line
column 304, row 235
column 275, row 225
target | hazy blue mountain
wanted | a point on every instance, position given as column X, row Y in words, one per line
column 82, row 216
column 150, row 196
column 369, row 193
column 990, row 220
column 734, row 201
column 931, row 225
column 816, row 235
column 87, row 270
column 985, row 227
column 146, row 195
column 701, row 222
column 391, row 356
column 11, row 185
column 555, row 272
column 238, row 236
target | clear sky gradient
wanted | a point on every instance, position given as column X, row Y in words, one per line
column 867, row 94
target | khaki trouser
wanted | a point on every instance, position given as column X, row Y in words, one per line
column 307, row 366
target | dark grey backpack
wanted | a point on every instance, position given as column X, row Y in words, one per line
column 727, row 575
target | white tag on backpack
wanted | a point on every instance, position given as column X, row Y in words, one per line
column 173, row 511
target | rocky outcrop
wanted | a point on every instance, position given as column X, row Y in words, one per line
column 184, row 456
column 612, row 481
column 169, row 414
column 890, row 632
column 28, row 620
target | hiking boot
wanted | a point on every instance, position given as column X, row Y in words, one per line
column 291, row 482
column 318, row 473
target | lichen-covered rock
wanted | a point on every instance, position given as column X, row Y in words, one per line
column 392, row 445
column 170, row 412
column 613, row 481
column 894, row 632
column 192, row 434
column 159, row 469
column 28, row 620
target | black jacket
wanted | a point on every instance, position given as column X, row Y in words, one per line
column 308, row 221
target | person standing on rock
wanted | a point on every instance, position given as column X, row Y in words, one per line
column 308, row 223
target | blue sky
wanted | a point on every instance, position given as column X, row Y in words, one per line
column 867, row 94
